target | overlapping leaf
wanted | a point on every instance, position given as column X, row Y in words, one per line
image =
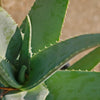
column 37, row 93
column 7, row 29
column 14, row 47
column 9, row 42
column 49, row 60
column 46, row 19
column 26, row 44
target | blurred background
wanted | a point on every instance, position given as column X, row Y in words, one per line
column 82, row 17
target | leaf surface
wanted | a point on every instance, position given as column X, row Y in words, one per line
column 26, row 44
column 14, row 47
column 46, row 62
column 7, row 29
column 88, row 62
column 74, row 85
column 37, row 93
column 46, row 17
column 10, row 37
column 7, row 75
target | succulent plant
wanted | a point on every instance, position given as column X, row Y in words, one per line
column 31, row 57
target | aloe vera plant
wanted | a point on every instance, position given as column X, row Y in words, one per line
column 31, row 56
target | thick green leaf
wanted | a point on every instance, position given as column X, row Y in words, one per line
column 7, row 74
column 74, row 85
column 26, row 44
column 2, row 81
column 7, row 29
column 37, row 93
column 46, row 19
column 9, row 41
column 14, row 47
column 88, row 62
column 46, row 62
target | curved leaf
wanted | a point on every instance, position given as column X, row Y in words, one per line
column 7, row 74
column 88, row 62
column 14, row 47
column 26, row 44
column 7, row 29
column 46, row 62
column 9, row 42
column 2, row 81
column 46, row 19
column 37, row 93
column 74, row 85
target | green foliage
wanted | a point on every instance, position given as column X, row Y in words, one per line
column 46, row 17
column 74, row 85
column 29, row 55
column 21, row 73
column 6, row 72
column 26, row 47
column 38, row 93
column 7, row 30
column 14, row 47
column 88, row 62
column 49, row 60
